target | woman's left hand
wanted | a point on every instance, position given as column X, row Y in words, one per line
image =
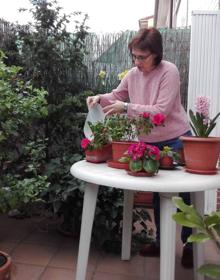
column 114, row 108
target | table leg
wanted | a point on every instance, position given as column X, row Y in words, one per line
column 198, row 200
column 89, row 204
column 127, row 224
column 167, row 236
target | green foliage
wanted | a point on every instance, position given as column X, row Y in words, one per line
column 208, row 228
column 100, row 136
column 52, row 56
column 120, row 127
column 22, row 147
column 200, row 125
column 19, row 193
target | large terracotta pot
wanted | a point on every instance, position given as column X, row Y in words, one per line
column 201, row 154
column 99, row 155
column 5, row 266
column 118, row 150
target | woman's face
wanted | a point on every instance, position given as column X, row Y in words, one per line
column 144, row 60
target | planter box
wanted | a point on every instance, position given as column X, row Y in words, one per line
column 99, row 155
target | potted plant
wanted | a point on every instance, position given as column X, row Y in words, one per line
column 201, row 152
column 124, row 131
column 5, row 266
column 143, row 159
column 207, row 229
column 122, row 134
column 168, row 157
column 98, row 149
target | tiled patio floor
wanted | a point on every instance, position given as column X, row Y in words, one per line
column 46, row 255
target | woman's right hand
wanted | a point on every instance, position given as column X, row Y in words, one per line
column 92, row 100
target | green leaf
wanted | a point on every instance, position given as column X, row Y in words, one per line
column 181, row 219
column 150, row 165
column 179, row 203
column 210, row 270
column 136, row 165
column 198, row 237
column 212, row 220
column 124, row 159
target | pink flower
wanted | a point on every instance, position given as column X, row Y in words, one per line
column 146, row 115
column 202, row 107
column 158, row 119
column 85, row 143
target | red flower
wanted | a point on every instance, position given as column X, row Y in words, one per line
column 158, row 119
column 146, row 115
column 153, row 151
column 136, row 151
column 85, row 143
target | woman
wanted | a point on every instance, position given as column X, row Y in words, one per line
column 153, row 86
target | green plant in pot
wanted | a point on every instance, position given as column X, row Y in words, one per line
column 208, row 228
column 98, row 149
column 201, row 152
column 168, row 157
column 122, row 133
column 143, row 159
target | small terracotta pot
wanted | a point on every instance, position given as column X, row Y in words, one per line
column 99, row 155
column 5, row 266
column 166, row 162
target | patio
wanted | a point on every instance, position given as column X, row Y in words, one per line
column 40, row 252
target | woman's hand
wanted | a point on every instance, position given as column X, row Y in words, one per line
column 115, row 107
column 92, row 100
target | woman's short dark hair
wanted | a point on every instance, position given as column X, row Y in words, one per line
column 148, row 39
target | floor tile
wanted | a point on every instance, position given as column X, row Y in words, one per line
column 7, row 246
column 66, row 257
column 33, row 254
column 111, row 263
column 15, row 230
column 61, row 274
column 26, row 272
column 48, row 238
column 110, row 276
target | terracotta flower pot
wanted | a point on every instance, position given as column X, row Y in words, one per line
column 201, row 154
column 5, row 266
column 118, row 150
column 99, row 155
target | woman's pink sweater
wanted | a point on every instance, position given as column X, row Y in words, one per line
column 155, row 92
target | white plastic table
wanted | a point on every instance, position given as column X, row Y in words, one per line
column 167, row 182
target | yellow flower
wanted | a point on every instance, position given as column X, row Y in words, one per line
column 122, row 75
column 102, row 75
